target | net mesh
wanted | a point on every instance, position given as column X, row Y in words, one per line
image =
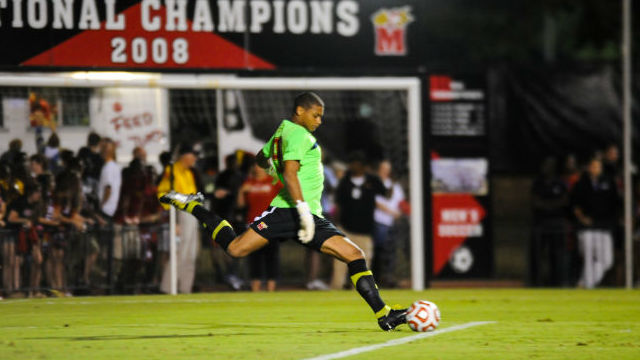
column 372, row 121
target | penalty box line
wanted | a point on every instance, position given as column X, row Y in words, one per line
column 404, row 340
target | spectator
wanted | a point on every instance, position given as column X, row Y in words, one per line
column 52, row 153
column 85, row 217
column 129, row 212
column 110, row 179
column 227, row 184
column 11, row 155
column 92, row 165
column 386, row 212
column 612, row 168
column 570, row 171
column 91, row 158
column 21, row 216
column 38, row 168
column 165, row 160
column 550, row 200
column 67, row 202
column 611, row 164
column 12, row 187
column 356, row 202
column 9, row 193
column 8, row 241
column 152, row 214
column 185, row 180
column 596, row 207
column 225, row 194
column 47, row 225
column 163, row 241
column 256, row 194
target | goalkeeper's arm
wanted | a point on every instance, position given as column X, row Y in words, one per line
column 292, row 183
column 265, row 163
column 262, row 160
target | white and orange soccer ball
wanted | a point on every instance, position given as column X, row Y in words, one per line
column 423, row 316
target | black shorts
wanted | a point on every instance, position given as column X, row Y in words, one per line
column 279, row 224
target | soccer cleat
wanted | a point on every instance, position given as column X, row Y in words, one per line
column 392, row 319
column 181, row 201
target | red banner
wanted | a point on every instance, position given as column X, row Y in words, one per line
column 456, row 217
column 136, row 47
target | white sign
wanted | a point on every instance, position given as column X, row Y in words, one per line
column 131, row 117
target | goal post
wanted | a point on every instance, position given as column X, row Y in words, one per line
column 164, row 82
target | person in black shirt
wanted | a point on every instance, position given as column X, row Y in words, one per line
column 22, row 214
column 595, row 203
column 550, row 200
column 92, row 161
column 356, row 202
column 227, row 185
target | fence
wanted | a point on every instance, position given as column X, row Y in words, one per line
column 101, row 260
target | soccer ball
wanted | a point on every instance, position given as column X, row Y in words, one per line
column 423, row 316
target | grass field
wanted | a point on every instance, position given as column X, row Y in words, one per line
column 544, row 324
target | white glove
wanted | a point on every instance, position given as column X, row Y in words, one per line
column 307, row 225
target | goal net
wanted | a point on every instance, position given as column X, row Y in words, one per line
column 226, row 114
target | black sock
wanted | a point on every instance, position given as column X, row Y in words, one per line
column 216, row 227
column 362, row 279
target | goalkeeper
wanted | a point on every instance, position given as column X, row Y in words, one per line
column 293, row 155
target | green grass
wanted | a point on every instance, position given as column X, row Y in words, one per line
column 544, row 324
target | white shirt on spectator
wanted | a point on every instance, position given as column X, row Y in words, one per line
column 393, row 203
column 110, row 175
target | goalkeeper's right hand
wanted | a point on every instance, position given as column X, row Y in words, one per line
column 271, row 171
column 307, row 224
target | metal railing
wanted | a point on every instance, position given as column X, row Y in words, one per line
column 100, row 260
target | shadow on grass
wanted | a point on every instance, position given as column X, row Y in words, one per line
column 131, row 337
column 180, row 336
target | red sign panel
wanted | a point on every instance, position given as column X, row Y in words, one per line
column 456, row 217
column 137, row 47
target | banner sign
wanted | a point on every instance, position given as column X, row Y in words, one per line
column 457, row 222
column 210, row 34
column 458, row 186
column 131, row 117
column 460, row 203
column 455, row 109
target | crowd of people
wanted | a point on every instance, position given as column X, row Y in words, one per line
column 578, row 222
column 60, row 210
column 78, row 223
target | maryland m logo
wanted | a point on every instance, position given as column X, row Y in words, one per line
column 390, row 27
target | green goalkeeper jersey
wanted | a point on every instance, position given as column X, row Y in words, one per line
column 294, row 142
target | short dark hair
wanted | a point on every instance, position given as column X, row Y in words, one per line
column 54, row 140
column 40, row 159
column 165, row 158
column 15, row 145
column 307, row 100
column 93, row 139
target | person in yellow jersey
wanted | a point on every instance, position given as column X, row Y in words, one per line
column 294, row 157
column 182, row 177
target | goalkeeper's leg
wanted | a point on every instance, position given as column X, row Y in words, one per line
column 343, row 249
column 218, row 229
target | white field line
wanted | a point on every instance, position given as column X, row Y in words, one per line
column 404, row 340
